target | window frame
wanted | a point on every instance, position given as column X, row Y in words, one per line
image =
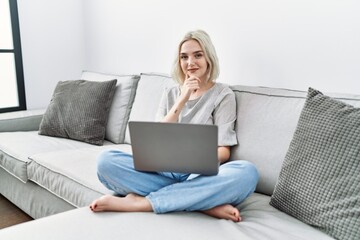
column 18, row 58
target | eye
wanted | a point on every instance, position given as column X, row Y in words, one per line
column 183, row 57
column 198, row 55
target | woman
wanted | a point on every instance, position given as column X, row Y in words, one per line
column 197, row 99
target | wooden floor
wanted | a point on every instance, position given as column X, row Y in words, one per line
column 10, row 214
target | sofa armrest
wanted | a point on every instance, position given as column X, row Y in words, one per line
column 28, row 120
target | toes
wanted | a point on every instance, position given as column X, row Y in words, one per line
column 93, row 206
column 235, row 218
column 236, row 215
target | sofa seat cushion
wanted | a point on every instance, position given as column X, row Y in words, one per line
column 16, row 147
column 266, row 122
column 261, row 221
column 71, row 174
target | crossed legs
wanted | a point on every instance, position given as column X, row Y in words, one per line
column 213, row 195
column 136, row 203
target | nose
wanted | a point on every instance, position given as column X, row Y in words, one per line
column 191, row 61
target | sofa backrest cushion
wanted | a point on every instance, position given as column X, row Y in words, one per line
column 266, row 121
column 121, row 104
column 147, row 99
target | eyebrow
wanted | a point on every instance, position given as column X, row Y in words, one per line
column 200, row 51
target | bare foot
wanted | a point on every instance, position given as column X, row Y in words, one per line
column 225, row 211
column 131, row 203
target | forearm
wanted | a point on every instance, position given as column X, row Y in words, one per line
column 173, row 114
column 223, row 154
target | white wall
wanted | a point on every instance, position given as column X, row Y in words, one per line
column 279, row 43
column 52, row 46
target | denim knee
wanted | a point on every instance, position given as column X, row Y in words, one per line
column 244, row 178
column 104, row 162
column 252, row 173
column 245, row 165
column 111, row 162
column 107, row 171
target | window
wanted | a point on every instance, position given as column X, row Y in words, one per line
column 12, row 91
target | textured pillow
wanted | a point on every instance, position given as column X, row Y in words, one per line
column 319, row 182
column 79, row 110
column 121, row 105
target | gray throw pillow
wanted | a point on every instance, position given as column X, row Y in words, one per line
column 319, row 182
column 79, row 110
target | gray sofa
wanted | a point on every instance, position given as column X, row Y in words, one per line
column 48, row 176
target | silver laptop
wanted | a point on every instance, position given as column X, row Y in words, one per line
column 174, row 147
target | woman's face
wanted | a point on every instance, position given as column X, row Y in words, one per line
column 192, row 60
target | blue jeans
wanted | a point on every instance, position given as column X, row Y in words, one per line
column 169, row 192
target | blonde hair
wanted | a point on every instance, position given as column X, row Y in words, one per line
column 209, row 52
